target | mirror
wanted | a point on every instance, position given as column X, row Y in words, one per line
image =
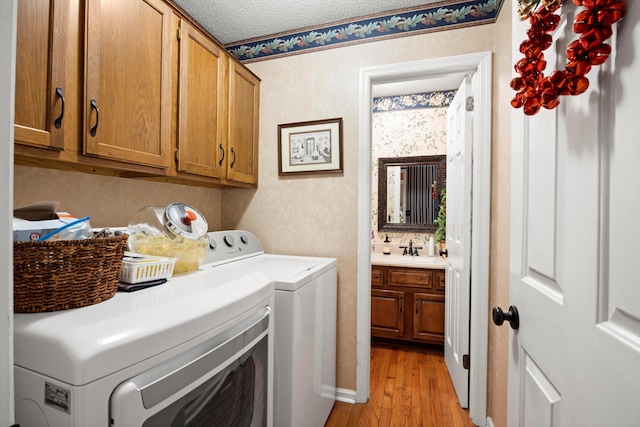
column 409, row 192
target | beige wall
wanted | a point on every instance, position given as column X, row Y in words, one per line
column 110, row 201
column 316, row 214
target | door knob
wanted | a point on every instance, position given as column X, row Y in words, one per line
column 511, row 316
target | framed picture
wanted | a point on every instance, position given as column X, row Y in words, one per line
column 310, row 147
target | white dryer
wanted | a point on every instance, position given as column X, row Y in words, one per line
column 194, row 351
column 305, row 324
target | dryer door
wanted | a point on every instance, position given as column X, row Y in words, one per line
column 212, row 384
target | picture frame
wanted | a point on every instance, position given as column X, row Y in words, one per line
column 310, row 147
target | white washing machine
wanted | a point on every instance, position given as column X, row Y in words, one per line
column 305, row 324
column 195, row 351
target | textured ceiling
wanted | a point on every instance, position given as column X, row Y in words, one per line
column 231, row 21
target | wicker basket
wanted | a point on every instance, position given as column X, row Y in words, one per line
column 64, row 274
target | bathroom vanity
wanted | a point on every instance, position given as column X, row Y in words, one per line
column 407, row 298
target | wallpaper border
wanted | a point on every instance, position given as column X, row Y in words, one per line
column 441, row 98
column 407, row 22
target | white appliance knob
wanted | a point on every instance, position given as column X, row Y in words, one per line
column 228, row 240
column 244, row 239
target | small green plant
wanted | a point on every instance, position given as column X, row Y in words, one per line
column 441, row 220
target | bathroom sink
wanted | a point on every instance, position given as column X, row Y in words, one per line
column 398, row 260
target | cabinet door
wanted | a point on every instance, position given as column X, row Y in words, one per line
column 387, row 313
column 244, row 103
column 128, row 105
column 201, row 114
column 40, row 59
column 428, row 319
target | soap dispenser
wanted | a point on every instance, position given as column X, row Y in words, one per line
column 431, row 247
column 386, row 249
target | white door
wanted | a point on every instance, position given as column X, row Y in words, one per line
column 458, row 278
column 575, row 359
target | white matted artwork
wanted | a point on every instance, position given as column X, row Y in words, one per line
column 310, row 147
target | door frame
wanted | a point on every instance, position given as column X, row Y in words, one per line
column 480, row 64
column 8, row 19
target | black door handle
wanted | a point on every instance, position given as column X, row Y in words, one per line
column 58, row 122
column 511, row 316
column 94, row 129
column 234, row 158
column 222, row 158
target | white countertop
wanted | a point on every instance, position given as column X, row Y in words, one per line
column 399, row 260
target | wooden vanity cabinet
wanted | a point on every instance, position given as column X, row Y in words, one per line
column 407, row 304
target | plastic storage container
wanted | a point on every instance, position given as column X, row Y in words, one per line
column 145, row 268
column 176, row 231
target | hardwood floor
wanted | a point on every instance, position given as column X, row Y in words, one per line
column 409, row 387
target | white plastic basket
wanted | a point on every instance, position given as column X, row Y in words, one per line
column 138, row 268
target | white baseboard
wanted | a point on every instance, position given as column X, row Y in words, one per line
column 489, row 422
column 345, row 395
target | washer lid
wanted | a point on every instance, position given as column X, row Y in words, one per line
column 289, row 272
column 185, row 220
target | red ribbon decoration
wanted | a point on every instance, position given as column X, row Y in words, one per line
column 534, row 89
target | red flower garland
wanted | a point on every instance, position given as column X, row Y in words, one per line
column 534, row 89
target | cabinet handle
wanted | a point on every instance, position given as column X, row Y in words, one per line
column 417, row 304
column 234, row 158
column 401, row 303
column 58, row 122
column 221, row 151
column 94, row 129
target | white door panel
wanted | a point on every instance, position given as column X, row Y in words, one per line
column 458, row 281
column 575, row 360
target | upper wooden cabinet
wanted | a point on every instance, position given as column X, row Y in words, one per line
column 244, row 102
column 40, row 73
column 112, row 87
column 202, row 142
column 128, row 114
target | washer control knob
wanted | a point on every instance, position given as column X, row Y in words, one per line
column 244, row 239
column 228, row 240
column 212, row 244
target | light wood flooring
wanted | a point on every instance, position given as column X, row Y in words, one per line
column 410, row 386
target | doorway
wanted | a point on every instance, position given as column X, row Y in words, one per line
column 480, row 64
